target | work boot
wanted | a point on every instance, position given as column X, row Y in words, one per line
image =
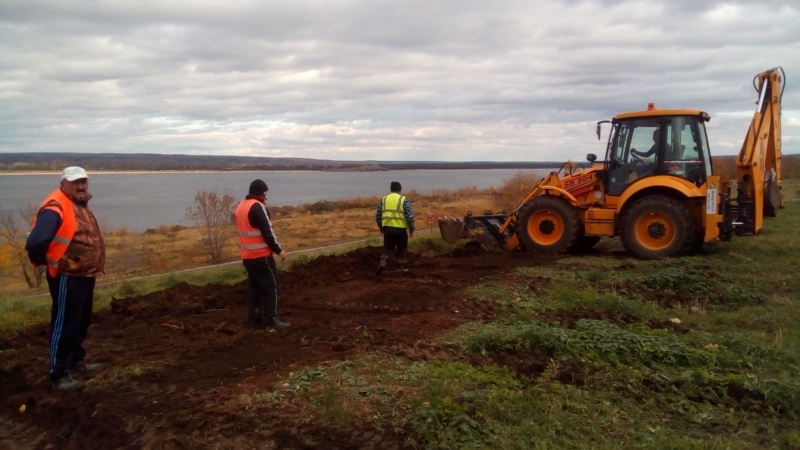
column 82, row 367
column 66, row 383
column 401, row 268
column 381, row 266
column 276, row 323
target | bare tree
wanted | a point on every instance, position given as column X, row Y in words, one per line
column 14, row 230
column 212, row 213
column 514, row 189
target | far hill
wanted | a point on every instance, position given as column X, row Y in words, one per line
column 725, row 166
column 53, row 162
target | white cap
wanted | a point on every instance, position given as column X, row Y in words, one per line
column 73, row 173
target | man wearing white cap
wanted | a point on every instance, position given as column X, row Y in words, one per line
column 67, row 239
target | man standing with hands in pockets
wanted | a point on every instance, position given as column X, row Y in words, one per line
column 257, row 244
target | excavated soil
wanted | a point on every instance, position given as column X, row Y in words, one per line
column 196, row 355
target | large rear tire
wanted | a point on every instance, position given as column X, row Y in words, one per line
column 657, row 227
column 548, row 224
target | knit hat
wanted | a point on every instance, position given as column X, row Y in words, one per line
column 258, row 187
column 396, row 186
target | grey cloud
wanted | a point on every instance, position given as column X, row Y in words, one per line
column 378, row 80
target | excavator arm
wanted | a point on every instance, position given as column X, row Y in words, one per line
column 758, row 166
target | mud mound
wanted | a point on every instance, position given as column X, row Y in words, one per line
column 176, row 360
column 181, row 300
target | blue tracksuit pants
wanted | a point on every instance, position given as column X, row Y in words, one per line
column 70, row 318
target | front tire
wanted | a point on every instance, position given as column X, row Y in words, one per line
column 657, row 227
column 548, row 224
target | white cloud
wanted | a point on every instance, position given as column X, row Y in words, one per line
column 449, row 81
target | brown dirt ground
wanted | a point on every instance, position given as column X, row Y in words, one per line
column 197, row 355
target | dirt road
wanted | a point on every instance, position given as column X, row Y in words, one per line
column 195, row 354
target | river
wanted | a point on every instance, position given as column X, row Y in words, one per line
column 146, row 200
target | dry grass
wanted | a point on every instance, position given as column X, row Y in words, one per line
column 167, row 248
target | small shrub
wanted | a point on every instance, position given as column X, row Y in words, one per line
column 126, row 289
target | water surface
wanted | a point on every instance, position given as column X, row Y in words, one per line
column 146, row 200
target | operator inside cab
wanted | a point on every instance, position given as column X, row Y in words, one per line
column 676, row 146
column 647, row 166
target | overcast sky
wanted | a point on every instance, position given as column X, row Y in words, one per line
column 386, row 80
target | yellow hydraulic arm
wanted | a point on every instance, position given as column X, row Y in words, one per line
column 758, row 167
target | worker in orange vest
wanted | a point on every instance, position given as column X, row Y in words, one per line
column 67, row 239
column 257, row 244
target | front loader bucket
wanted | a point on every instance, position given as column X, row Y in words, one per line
column 453, row 229
column 482, row 229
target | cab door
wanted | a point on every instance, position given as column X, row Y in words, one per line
column 686, row 152
column 633, row 153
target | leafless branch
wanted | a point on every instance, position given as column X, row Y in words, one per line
column 212, row 213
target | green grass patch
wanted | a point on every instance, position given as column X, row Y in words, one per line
column 724, row 374
column 426, row 241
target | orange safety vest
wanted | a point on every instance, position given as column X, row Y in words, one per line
column 251, row 242
column 60, row 203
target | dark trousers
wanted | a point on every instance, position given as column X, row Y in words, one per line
column 396, row 243
column 70, row 318
column 263, row 290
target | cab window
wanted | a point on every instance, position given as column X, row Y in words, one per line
column 634, row 152
column 688, row 156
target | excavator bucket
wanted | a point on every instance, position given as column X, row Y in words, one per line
column 472, row 227
column 453, row 229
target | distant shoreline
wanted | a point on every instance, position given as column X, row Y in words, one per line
column 145, row 172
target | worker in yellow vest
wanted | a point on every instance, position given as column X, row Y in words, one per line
column 257, row 244
column 396, row 222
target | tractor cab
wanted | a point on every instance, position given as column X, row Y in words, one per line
column 657, row 142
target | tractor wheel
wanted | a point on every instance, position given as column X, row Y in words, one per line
column 584, row 244
column 657, row 227
column 548, row 224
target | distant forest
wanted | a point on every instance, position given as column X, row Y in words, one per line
column 55, row 162
column 724, row 166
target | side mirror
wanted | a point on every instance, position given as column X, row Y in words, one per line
column 591, row 157
column 598, row 127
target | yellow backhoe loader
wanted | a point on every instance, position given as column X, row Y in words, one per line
column 655, row 188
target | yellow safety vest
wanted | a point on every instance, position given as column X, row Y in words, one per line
column 392, row 214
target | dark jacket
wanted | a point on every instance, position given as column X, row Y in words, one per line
column 260, row 218
column 86, row 254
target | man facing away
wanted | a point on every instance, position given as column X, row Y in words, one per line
column 67, row 239
column 396, row 222
column 257, row 244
